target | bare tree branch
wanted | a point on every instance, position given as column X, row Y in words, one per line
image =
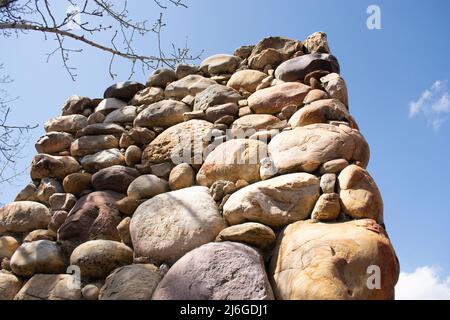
column 81, row 24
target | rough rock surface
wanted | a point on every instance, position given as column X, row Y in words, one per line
column 97, row 258
column 233, row 160
column 50, row 287
column 94, row 216
column 23, row 216
column 217, row 271
column 132, row 282
column 359, row 194
column 274, row 202
column 272, row 100
column 169, row 225
column 306, row 148
column 330, row 261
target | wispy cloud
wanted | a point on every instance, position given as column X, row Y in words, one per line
column 422, row 284
column 434, row 104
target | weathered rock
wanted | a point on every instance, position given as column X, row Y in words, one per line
column 123, row 90
column 243, row 52
column 247, row 80
column 9, row 286
column 96, row 117
column 94, row 216
column 147, row 186
column 76, row 183
column 23, row 216
column 161, row 77
column 133, row 155
column 54, row 142
column 69, row 124
column 297, row 68
column 28, row 193
column 306, row 148
column 314, row 95
column 41, row 256
column 123, row 228
column 189, row 85
column 50, row 287
column 147, row 96
column 75, row 105
column 183, row 70
column 185, row 219
column 62, row 201
column 181, row 176
column 360, row 196
column 272, row 51
column 97, row 258
column 217, row 271
column 40, row 234
column 233, row 160
column 179, row 142
column 90, row 292
column 271, row 100
column 316, row 43
column 91, row 144
column 110, row 104
column 133, row 282
column 8, row 245
column 97, row 129
column 327, row 207
column 57, row 220
column 252, row 233
column 102, row 159
column 141, row 136
column 164, row 113
column 333, row 166
column 275, row 202
column 47, row 188
column 220, row 64
column 116, row 178
column 330, row 261
column 328, row 182
column 214, row 95
column 335, row 86
column 47, row 166
column 220, row 188
column 248, row 125
column 125, row 114
column 213, row 114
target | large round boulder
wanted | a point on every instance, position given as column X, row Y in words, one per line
column 132, row 282
column 23, row 216
column 97, row 258
column 271, row 100
column 165, row 113
column 184, row 142
column 317, row 261
column 297, row 68
column 306, row 148
column 116, row 178
column 233, row 160
column 47, row 166
column 40, row 256
column 217, row 271
column 171, row 224
column 94, row 216
column 360, row 196
column 275, row 202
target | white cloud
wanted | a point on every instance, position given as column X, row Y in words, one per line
column 422, row 284
column 434, row 103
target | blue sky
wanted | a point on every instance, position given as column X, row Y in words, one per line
column 403, row 66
